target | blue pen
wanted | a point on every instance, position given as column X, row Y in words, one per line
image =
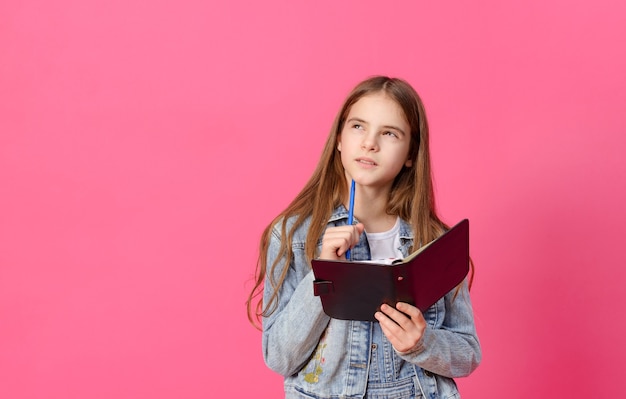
column 350, row 213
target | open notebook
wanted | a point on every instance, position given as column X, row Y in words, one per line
column 353, row 290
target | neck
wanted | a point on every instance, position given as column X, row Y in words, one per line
column 370, row 208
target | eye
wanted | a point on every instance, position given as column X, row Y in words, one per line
column 391, row 133
column 357, row 126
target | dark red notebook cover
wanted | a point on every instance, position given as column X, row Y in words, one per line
column 355, row 290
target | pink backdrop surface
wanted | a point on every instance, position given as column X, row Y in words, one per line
column 145, row 145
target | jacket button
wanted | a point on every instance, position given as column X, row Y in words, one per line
column 428, row 373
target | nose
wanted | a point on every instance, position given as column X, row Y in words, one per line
column 369, row 142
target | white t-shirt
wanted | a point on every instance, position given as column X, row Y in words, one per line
column 385, row 246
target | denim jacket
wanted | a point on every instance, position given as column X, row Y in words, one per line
column 321, row 357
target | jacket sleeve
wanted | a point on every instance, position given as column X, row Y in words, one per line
column 453, row 349
column 292, row 331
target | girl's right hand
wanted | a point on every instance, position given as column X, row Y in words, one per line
column 337, row 240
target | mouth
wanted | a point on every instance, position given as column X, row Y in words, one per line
column 366, row 161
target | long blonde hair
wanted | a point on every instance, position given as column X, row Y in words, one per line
column 411, row 196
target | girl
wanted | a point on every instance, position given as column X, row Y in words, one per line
column 379, row 139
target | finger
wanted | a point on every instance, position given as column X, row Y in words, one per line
column 402, row 331
column 357, row 230
column 388, row 325
column 408, row 318
column 343, row 244
column 341, row 231
column 337, row 240
column 394, row 333
column 334, row 248
column 360, row 228
column 413, row 321
column 411, row 311
column 353, row 231
column 355, row 235
column 394, row 314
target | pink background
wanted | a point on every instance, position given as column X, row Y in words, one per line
column 145, row 145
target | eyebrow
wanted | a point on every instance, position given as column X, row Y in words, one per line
column 385, row 126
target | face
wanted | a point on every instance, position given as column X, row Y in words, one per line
column 374, row 141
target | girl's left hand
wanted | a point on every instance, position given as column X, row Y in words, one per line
column 403, row 332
